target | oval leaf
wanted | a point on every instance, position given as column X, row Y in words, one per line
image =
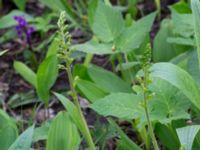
column 63, row 134
column 25, row 72
column 46, row 77
column 179, row 78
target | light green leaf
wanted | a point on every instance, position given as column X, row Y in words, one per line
column 181, row 26
column 133, row 36
column 187, row 135
column 181, row 41
column 168, row 103
column 26, row 73
column 108, row 23
column 53, row 4
column 178, row 78
column 8, row 131
column 46, row 76
column 63, row 134
column 121, row 105
column 7, row 20
column 23, row 142
column 107, row 80
column 127, row 65
column 193, row 66
column 196, row 14
column 72, row 110
column 92, row 5
column 93, row 47
column 86, row 87
column 53, row 48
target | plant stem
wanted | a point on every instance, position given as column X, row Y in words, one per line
column 85, row 132
column 150, row 128
column 158, row 6
column 88, row 59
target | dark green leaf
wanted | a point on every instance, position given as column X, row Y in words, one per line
column 46, row 76
column 108, row 81
column 91, row 91
column 21, row 4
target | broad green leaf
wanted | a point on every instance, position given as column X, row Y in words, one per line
column 107, row 80
column 133, row 36
column 23, row 142
column 46, row 76
column 93, row 47
column 26, row 73
column 7, row 20
column 121, row 105
column 125, row 142
column 8, row 131
column 63, row 134
column 196, row 14
column 108, row 23
column 178, row 78
column 187, row 135
column 91, row 91
column 168, row 103
column 21, row 4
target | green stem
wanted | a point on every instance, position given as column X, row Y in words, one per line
column 85, row 132
column 158, row 6
column 150, row 127
column 88, row 59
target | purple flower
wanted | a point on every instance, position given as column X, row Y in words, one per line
column 23, row 28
